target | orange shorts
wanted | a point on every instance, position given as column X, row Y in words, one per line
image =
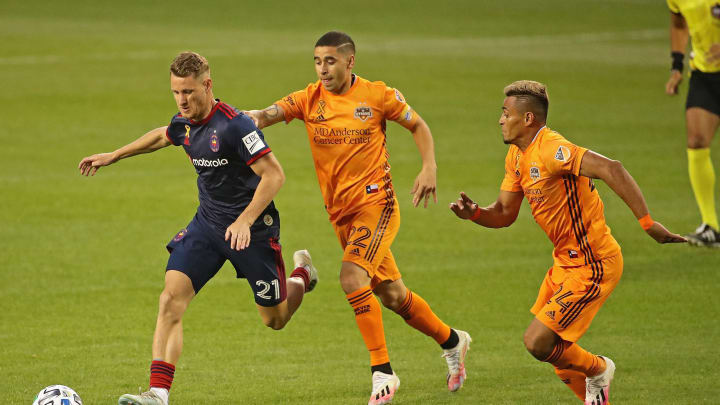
column 366, row 237
column 570, row 297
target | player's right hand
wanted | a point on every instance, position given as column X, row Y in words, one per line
column 658, row 232
column 671, row 87
column 238, row 234
column 89, row 165
column 464, row 207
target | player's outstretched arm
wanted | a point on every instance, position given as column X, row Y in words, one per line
column 149, row 142
column 269, row 116
column 499, row 214
column 426, row 181
column 613, row 173
column 271, row 179
column 679, row 37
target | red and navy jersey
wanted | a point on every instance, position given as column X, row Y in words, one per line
column 222, row 147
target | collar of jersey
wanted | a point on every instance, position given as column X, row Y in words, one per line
column 355, row 80
column 209, row 116
column 535, row 137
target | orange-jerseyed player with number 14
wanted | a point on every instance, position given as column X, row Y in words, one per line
column 556, row 178
column 345, row 117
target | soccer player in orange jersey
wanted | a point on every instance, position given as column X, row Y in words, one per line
column 345, row 117
column 556, row 177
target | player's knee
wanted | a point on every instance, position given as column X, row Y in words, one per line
column 392, row 299
column 170, row 306
column 537, row 347
column 350, row 282
column 275, row 322
column 697, row 140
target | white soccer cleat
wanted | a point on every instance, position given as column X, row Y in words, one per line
column 455, row 358
column 302, row 258
column 597, row 388
column 146, row 398
column 384, row 388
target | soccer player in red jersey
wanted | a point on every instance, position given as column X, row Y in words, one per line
column 345, row 117
column 238, row 176
column 556, row 177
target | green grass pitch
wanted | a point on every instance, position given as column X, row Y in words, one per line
column 82, row 259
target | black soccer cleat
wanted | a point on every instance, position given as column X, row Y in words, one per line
column 705, row 235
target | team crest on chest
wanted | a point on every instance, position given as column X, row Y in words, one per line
column 214, row 142
column 363, row 112
column 562, row 154
column 534, row 173
column 715, row 11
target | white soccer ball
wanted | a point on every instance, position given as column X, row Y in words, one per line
column 57, row 395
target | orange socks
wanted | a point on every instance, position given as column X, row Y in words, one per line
column 368, row 315
column 568, row 355
column 417, row 313
column 575, row 380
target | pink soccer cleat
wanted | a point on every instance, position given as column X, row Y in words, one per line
column 597, row 388
column 384, row 388
column 456, row 361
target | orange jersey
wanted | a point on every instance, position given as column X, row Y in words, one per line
column 347, row 140
column 565, row 205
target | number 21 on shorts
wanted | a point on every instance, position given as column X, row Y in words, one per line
column 265, row 288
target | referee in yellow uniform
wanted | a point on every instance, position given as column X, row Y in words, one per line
column 699, row 20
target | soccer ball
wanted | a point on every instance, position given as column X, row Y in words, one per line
column 57, row 395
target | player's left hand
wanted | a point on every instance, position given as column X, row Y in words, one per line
column 238, row 233
column 658, row 232
column 425, row 184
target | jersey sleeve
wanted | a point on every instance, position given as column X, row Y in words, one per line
column 249, row 141
column 397, row 109
column 176, row 131
column 673, row 6
column 511, row 181
column 294, row 105
column 561, row 156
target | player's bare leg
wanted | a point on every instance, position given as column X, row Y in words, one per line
column 167, row 341
column 174, row 300
column 545, row 345
column 418, row 314
column 355, row 281
column 701, row 128
column 302, row 281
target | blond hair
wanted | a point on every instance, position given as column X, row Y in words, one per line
column 532, row 94
column 189, row 64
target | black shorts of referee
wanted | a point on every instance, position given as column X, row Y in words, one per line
column 704, row 91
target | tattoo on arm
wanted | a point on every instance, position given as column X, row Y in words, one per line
column 271, row 112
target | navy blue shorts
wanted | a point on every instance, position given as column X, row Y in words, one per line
column 199, row 251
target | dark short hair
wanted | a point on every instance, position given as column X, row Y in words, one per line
column 338, row 39
column 532, row 94
column 189, row 64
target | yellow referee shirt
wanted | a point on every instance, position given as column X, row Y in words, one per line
column 703, row 20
